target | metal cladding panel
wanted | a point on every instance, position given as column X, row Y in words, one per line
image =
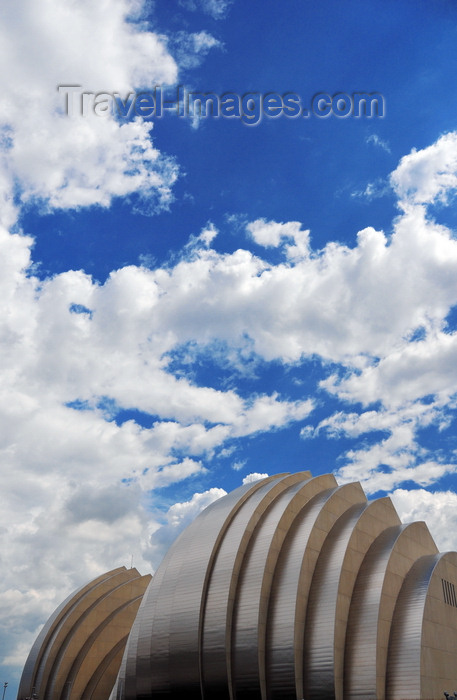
column 290, row 588
column 362, row 633
column 280, row 631
column 246, row 616
column 404, row 659
column 253, row 594
column 217, row 621
column 381, row 575
column 331, row 592
column 319, row 681
column 129, row 662
column 139, row 649
column 169, row 626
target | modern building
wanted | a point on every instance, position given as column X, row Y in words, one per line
column 287, row 588
column 79, row 650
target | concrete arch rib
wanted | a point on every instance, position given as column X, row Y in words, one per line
column 76, row 625
column 378, row 584
column 96, row 688
column 80, row 625
column 253, row 594
column 82, row 659
column 331, row 592
column 168, row 634
column 216, row 662
column 32, row 674
column 291, row 584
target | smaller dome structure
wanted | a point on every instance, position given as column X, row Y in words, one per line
column 78, row 652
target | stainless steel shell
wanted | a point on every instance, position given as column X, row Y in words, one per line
column 276, row 592
column 288, row 588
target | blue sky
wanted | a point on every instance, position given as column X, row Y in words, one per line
column 190, row 302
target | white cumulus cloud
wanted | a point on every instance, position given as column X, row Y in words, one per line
column 429, row 174
column 178, row 517
column 70, row 162
column 254, row 476
column 438, row 509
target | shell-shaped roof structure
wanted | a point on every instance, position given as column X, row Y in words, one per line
column 295, row 587
column 290, row 587
column 78, row 652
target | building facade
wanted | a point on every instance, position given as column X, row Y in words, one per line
column 295, row 587
column 78, row 652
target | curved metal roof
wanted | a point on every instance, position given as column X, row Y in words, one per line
column 79, row 650
column 287, row 588
column 276, row 592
